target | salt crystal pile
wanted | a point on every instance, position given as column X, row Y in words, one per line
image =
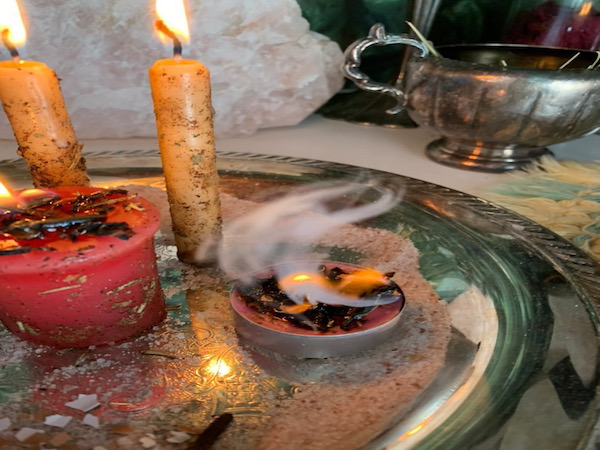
column 267, row 68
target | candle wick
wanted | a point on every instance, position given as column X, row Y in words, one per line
column 177, row 47
column 9, row 46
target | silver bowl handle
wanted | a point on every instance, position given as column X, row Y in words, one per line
column 377, row 36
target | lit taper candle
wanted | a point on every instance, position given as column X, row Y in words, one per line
column 184, row 122
column 31, row 96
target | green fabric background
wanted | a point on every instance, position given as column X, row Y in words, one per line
column 344, row 21
column 457, row 21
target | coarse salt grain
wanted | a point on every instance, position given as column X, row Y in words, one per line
column 178, row 437
column 126, row 442
column 91, row 420
column 25, row 433
column 56, row 420
column 147, row 442
column 4, row 424
column 84, row 402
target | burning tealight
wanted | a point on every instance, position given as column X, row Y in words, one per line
column 77, row 266
column 333, row 310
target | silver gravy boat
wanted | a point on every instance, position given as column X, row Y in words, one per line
column 497, row 107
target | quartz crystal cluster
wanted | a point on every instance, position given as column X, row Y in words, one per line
column 267, row 68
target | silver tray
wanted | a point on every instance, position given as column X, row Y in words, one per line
column 520, row 370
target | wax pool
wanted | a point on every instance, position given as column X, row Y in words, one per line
column 85, row 284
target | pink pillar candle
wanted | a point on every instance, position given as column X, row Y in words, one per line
column 81, row 270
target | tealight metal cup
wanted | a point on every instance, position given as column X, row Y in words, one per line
column 303, row 345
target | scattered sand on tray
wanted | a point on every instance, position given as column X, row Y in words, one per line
column 360, row 395
column 328, row 404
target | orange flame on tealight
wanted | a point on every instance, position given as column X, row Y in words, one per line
column 353, row 285
column 4, row 192
column 363, row 280
column 302, row 277
column 11, row 20
column 297, row 281
column 172, row 13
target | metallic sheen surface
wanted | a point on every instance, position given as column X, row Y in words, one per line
column 497, row 107
column 520, row 369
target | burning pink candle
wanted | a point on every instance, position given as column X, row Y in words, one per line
column 77, row 266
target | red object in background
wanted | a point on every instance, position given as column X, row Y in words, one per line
column 553, row 25
column 67, row 289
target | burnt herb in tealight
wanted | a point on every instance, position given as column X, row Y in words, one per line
column 265, row 296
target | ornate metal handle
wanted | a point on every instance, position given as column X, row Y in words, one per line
column 377, row 36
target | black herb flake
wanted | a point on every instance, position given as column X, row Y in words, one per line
column 15, row 251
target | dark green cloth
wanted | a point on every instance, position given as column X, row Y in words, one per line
column 345, row 21
column 457, row 21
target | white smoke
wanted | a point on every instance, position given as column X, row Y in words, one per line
column 281, row 230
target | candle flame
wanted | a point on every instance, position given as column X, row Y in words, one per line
column 12, row 20
column 7, row 198
column 173, row 15
column 4, row 192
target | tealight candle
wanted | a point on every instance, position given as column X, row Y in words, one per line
column 78, row 266
column 31, row 96
column 338, row 309
column 184, row 123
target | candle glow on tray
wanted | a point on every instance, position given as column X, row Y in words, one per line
column 77, row 265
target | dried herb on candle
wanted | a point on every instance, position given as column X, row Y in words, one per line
column 97, row 200
column 38, row 202
column 28, row 228
column 266, row 296
column 49, row 215
column 15, row 251
column 4, row 210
